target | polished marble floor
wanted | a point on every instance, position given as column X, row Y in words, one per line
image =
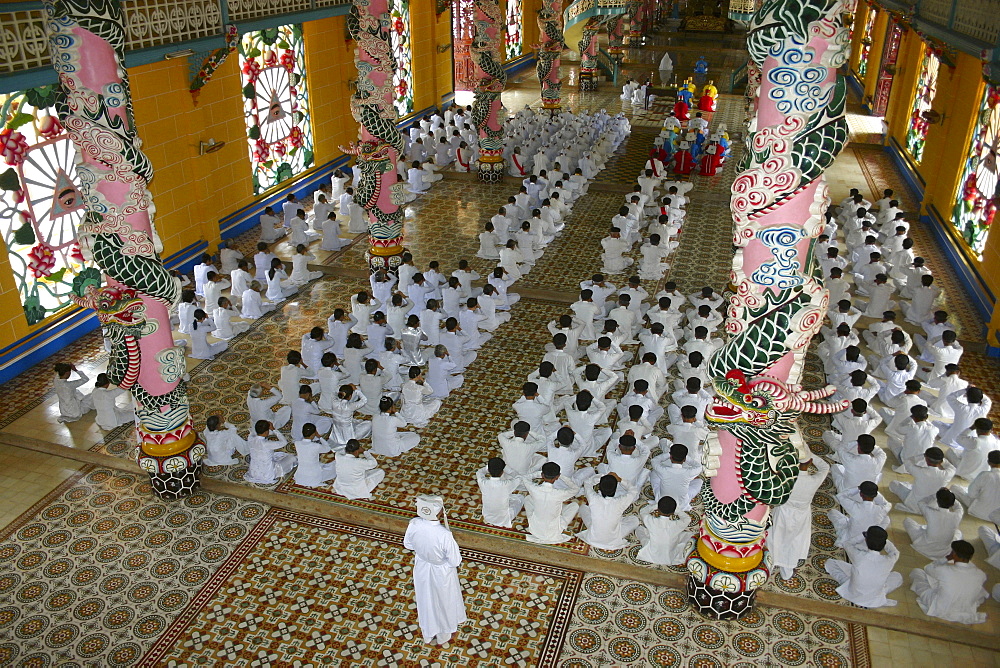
column 222, row 579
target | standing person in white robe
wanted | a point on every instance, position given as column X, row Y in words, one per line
column 791, row 524
column 867, row 578
column 266, row 465
column 357, row 472
column 608, row 497
column 663, row 534
column 73, row 403
column 951, row 587
column 548, row 513
column 501, row 503
column 311, row 472
column 943, row 515
column 438, row 592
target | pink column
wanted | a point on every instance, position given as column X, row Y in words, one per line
column 490, row 82
column 380, row 144
column 550, row 29
column 87, row 41
column 588, row 53
column 778, row 203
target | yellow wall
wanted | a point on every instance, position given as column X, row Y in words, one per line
column 897, row 117
column 192, row 192
column 329, row 65
column 875, row 54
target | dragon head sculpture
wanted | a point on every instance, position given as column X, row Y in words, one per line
column 765, row 402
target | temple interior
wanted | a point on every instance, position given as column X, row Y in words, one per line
column 97, row 569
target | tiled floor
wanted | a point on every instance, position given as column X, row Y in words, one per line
column 255, row 585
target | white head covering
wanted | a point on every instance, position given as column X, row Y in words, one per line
column 429, row 505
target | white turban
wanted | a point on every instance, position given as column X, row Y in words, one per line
column 428, row 507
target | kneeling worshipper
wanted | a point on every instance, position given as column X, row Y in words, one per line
column 438, row 592
column 357, row 472
column 266, row 465
column 548, row 513
column 311, row 472
column 664, row 533
column 867, row 578
column 501, row 503
column 608, row 497
column 951, row 587
column 942, row 515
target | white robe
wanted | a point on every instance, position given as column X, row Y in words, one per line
column 664, row 540
column 868, row 579
column 951, row 591
column 607, row 528
column 387, row 439
column 110, row 413
column 438, row 592
column 500, row 503
column 221, row 444
column 311, row 472
column 548, row 514
column 357, row 476
column 934, row 539
column 266, row 465
column 791, row 523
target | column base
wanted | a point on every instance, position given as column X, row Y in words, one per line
column 171, row 485
column 721, row 605
column 384, row 259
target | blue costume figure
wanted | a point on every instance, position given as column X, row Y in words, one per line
column 724, row 145
column 695, row 144
column 668, row 145
column 701, row 66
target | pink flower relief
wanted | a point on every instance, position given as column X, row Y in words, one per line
column 13, row 146
column 288, row 59
column 76, row 254
column 280, row 150
column 261, row 151
column 41, row 260
column 295, row 136
column 50, row 127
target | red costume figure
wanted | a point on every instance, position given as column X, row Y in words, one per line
column 706, row 103
column 681, row 110
column 711, row 160
column 683, row 162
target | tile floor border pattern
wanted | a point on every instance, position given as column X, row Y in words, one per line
column 550, row 648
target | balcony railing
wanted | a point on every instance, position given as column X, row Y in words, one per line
column 154, row 24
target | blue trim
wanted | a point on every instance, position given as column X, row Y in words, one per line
column 905, row 167
column 855, row 85
column 520, row 63
column 975, row 287
column 25, row 79
column 992, row 351
column 296, row 17
column 26, row 353
column 155, row 54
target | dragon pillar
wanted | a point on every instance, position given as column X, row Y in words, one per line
column 550, row 19
column 487, row 108
column 132, row 298
column 778, row 201
column 379, row 144
column 588, row 53
column 616, row 30
column 636, row 14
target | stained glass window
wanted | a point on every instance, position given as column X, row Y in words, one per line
column 978, row 195
column 866, row 42
column 463, row 29
column 513, row 39
column 276, row 105
column 400, row 38
column 40, row 202
column 923, row 100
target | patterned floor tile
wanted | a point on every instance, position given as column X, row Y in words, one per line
column 620, row 623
